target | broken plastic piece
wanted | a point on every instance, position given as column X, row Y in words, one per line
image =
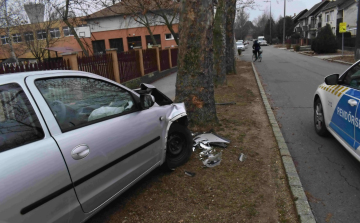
column 203, row 146
column 190, row 174
column 242, row 157
column 213, row 161
column 211, row 138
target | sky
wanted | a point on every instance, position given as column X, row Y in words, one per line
column 277, row 7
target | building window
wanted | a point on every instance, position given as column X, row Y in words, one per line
column 29, row 36
column 98, row 46
column 4, row 40
column 117, row 43
column 67, row 31
column 41, row 34
column 169, row 36
column 16, row 38
column 55, row 33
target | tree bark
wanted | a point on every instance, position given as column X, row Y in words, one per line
column 220, row 44
column 357, row 47
column 230, row 50
column 194, row 84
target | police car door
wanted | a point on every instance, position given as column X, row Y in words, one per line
column 345, row 121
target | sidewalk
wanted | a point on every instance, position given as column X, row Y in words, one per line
column 167, row 85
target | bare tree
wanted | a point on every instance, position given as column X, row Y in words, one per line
column 9, row 19
column 139, row 12
column 66, row 11
column 168, row 11
column 194, row 84
column 241, row 30
column 220, row 43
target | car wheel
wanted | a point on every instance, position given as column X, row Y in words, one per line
column 319, row 119
column 179, row 145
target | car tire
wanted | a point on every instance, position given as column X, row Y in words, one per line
column 178, row 146
column 319, row 119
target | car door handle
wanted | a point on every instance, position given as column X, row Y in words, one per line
column 80, row 152
column 352, row 102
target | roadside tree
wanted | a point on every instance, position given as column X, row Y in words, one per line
column 289, row 26
column 219, row 43
column 194, row 84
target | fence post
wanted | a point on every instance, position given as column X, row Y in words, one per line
column 158, row 57
column 170, row 62
column 72, row 58
column 113, row 52
column 141, row 61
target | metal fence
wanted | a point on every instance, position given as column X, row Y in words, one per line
column 164, row 59
column 98, row 64
column 150, row 61
column 129, row 65
column 174, row 57
column 39, row 66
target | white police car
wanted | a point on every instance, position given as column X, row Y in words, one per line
column 336, row 108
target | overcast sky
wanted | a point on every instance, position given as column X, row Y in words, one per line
column 277, row 7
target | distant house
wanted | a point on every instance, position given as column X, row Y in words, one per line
column 114, row 27
column 307, row 24
column 327, row 12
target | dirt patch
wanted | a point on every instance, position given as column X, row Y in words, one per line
column 349, row 59
column 255, row 190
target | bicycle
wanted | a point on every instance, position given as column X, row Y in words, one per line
column 259, row 57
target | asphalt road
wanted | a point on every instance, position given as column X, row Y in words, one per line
column 329, row 174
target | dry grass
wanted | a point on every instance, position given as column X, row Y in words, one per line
column 255, row 190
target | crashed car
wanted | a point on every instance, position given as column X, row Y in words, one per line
column 71, row 142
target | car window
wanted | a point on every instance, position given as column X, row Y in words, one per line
column 352, row 77
column 19, row 124
column 78, row 101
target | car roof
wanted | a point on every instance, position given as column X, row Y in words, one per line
column 20, row 76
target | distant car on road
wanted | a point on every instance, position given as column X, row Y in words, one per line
column 71, row 142
column 240, row 45
column 336, row 108
column 262, row 41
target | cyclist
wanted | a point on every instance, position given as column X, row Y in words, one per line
column 256, row 47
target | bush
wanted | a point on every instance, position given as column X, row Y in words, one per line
column 296, row 48
column 239, row 52
column 288, row 46
column 325, row 42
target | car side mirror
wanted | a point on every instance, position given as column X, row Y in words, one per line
column 332, row 79
column 146, row 101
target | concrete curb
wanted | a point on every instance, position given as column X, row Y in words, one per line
column 301, row 203
column 339, row 61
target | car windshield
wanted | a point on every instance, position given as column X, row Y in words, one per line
column 239, row 43
column 261, row 39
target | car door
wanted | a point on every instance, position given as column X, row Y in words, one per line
column 35, row 185
column 344, row 120
column 108, row 143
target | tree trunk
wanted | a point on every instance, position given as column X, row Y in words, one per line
column 194, row 84
column 151, row 35
column 230, row 43
column 357, row 47
column 220, row 44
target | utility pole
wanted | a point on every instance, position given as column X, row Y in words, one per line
column 270, row 22
column 284, row 22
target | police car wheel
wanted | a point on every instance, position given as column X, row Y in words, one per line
column 319, row 119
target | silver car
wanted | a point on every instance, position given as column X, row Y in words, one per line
column 71, row 142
